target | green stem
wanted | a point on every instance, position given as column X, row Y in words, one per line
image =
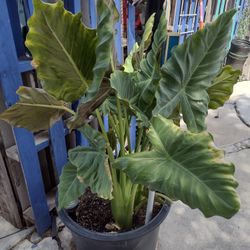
column 109, row 149
column 69, row 110
column 145, row 141
column 122, row 143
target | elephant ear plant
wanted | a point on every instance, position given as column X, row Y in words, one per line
column 75, row 63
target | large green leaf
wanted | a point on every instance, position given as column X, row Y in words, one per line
column 222, row 86
column 92, row 170
column 70, row 188
column 107, row 17
column 149, row 74
column 185, row 167
column 94, row 137
column 190, row 71
column 35, row 111
column 63, row 50
column 125, row 85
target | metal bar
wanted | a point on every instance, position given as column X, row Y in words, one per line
column 118, row 35
column 184, row 21
column 191, row 18
column 187, row 32
column 188, row 15
column 177, row 15
column 222, row 7
column 217, row 9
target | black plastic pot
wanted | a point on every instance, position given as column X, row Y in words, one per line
column 143, row 238
column 238, row 53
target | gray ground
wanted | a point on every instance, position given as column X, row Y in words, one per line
column 186, row 229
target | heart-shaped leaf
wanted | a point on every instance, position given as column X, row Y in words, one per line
column 186, row 167
column 149, row 74
column 92, row 170
column 35, row 111
column 107, row 17
column 70, row 188
column 222, row 86
column 63, row 50
column 190, row 71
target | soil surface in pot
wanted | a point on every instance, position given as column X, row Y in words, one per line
column 95, row 214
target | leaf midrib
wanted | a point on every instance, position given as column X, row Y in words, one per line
column 169, row 158
column 66, row 53
column 43, row 106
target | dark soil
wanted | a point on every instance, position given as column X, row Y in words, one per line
column 95, row 214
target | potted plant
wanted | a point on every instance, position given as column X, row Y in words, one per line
column 77, row 63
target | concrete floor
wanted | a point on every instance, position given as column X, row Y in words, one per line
column 186, row 229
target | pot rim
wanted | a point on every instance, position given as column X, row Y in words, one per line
column 136, row 233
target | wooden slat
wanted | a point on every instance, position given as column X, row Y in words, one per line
column 118, row 35
column 131, row 27
column 24, row 66
column 28, row 213
column 10, row 81
column 8, row 205
column 58, row 143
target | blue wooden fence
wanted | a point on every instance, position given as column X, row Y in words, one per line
column 14, row 61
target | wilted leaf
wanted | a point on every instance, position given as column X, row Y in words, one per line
column 84, row 110
column 35, row 111
column 92, row 170
column 63, row 50
column 70, row 188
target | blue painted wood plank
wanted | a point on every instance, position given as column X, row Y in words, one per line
column 197, row 18
column 106, row 123
column 118, row 35
column 24, row 66
column 131, row 27
column 77, row 6
column 16, row 29
column 10, row 81
column 191, row 18
column 184, row 20
column 58, row 146
column 31, row 168
column 177, row 15
column 31, row 8
column 133, row 133
column 93, row 14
